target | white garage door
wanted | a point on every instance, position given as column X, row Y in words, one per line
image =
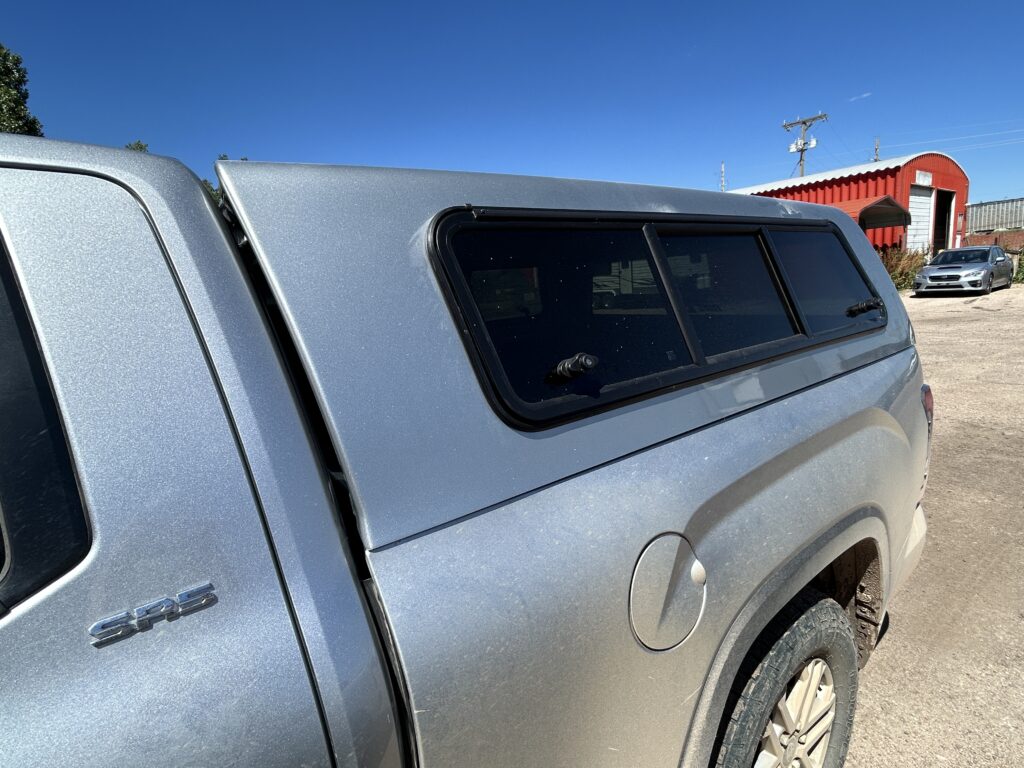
column 919, row 233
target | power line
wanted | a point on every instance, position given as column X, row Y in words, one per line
column 933, row 141
column 835, row 130
column 988, row 145
column 941, row 144
column 956, row 138
column 832, row 154
column 957, row 127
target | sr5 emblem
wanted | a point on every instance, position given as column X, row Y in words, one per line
column 139, row 619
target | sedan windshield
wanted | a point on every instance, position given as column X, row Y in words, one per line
column 972, row 256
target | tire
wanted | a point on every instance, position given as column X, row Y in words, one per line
column 988, row 285
column 810, row 640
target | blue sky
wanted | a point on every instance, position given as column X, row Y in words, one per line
column 642, row 91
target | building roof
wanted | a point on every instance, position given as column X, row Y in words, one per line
column 878, row 211
column 838, row 173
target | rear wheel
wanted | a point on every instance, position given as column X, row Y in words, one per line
column 794, row 709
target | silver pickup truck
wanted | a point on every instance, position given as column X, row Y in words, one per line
column 389, row 468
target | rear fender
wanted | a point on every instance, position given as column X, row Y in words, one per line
column 764, row 604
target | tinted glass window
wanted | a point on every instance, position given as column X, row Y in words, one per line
column 825, row 283
column 566, row 313
column 727, row 290
column 971, row 256
column 547, row 295
column 44, row 526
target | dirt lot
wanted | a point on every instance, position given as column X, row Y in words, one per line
column 946, row 684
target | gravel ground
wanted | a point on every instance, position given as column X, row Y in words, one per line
column 944, row 686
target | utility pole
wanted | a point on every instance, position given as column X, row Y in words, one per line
column 723, row 176
column 876, row 149
column 801, row 145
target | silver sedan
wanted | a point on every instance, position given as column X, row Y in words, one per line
column 979, row 268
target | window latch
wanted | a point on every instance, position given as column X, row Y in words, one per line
column 864, row 306
column 573, row 367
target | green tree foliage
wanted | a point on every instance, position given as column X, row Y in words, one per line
column 14, row 114
column 138, row 146
column 216, row 192
column 213, row 191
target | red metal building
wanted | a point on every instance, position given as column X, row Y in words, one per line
column 915, row 202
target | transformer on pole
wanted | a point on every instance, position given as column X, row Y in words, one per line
column 801, row 145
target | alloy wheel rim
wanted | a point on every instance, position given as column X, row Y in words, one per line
column 800, row 724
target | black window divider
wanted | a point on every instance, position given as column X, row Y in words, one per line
column 785, row 284
column 674, row 299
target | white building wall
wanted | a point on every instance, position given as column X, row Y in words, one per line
column 919, row 233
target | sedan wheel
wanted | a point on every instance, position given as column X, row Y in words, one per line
column 988, row 284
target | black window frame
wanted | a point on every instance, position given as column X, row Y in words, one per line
column 511, row 406
column 48, row 557
column 484, row 357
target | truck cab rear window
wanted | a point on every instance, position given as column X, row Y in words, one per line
column 570, row 316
